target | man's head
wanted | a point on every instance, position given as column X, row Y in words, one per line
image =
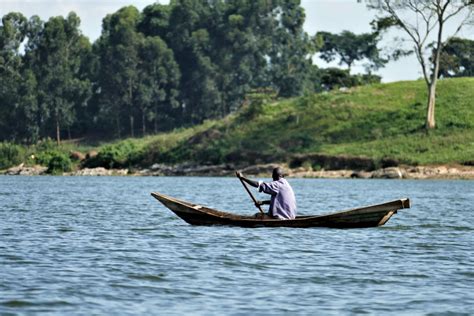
column 277, row 174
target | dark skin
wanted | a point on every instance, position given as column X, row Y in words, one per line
column 276, row 175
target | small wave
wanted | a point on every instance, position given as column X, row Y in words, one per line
column 429, row 226
column 15, row 209
column 426, row 246
column 19, row 260
column 16, row 303
column 468, row 274
column 144, row 229
column 164, row 236
column 413, row 276
column 460, row 228
column 147, row 277
column 367, row 281
column 12, row 257
column 22, row 303
column 244, row 265
column 397, row 227
column 200, row 244
column 65, row 229
column 457, row 313
column 231, row 263
column 412, row 227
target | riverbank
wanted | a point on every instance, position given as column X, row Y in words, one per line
column 458, row 172
column 360, row 132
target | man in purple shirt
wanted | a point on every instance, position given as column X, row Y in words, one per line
column 282, row 202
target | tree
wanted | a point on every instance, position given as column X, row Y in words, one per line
column 155, row 20
column 419, row 20
column 12, row 34
column 291, row 48
column 190, row 37
column 27, row 128
column 158, row 82
column 331, row 78
column 118, row 75
column 180, row 63
column 54, row 56
column 349, row 48
column 226, row 48
column 457, row 58
column 240, row 40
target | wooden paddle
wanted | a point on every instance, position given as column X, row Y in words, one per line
column 250, row 193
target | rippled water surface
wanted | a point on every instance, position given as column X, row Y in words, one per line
column 83, row 245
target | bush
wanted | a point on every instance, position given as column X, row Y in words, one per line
column 10, row 155
column 46, row 144
column 59, row 163
column 120, row 155
column 307, row 165
column 43, row 157
column 56, row 161
column 213, row 152
column 254, row 107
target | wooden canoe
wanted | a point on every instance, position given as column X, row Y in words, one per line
column 368, row 216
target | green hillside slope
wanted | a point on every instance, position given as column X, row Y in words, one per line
column 384, row 120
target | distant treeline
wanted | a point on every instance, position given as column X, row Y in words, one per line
column 165, row 67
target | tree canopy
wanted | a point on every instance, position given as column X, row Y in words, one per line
column 349, row 48
column 457, row 58
column 170, row 66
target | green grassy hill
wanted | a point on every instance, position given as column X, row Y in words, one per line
column 378, row 121
column 383, row 121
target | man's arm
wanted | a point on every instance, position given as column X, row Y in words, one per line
column 251, row 182
column 263, row 202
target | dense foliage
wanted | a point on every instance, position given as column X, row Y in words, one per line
column 10, row 154
column 457, row 58
column 349, row 48
column 165, row 67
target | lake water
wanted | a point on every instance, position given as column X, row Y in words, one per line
column 103, row 245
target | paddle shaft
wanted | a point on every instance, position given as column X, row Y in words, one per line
column 251, row 195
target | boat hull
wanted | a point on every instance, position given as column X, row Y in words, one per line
column 368, row 216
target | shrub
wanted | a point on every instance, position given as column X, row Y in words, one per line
column 59, row 163
column 10, row 155
column 56, row 161
column 122, row 154
column 43, row 157
column 255, row 106
column 46, row 145
column 317, row 167
column 307, row 165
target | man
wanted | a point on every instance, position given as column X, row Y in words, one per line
column 282, row 202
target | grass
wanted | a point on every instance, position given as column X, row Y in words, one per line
column 378, row 121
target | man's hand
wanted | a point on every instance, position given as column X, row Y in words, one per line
column 258, row 203
column 242, row 178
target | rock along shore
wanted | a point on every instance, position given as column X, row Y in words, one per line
column 264, row 170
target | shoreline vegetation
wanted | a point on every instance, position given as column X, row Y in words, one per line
column 374, row 131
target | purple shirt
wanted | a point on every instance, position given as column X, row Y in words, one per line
column 283, row 202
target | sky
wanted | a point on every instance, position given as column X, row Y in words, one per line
column 321, row 15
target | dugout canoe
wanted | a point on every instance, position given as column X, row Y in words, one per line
column 367, row 216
